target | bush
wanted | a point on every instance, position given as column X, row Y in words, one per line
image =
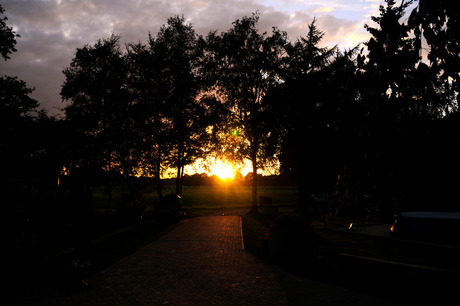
column 290, row 238
column 169, row 206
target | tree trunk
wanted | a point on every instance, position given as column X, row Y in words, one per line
column 254, row 208
column 123, row 187
column 157, row 175
column 180, row 172
column 110, row 185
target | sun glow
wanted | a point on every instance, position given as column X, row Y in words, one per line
column 223, row 170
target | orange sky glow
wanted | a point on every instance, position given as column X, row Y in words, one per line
column 224, row 169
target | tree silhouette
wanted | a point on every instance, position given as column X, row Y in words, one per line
column 16, row 126
column 391, row 53
column 177, row 50
column 386, row 93
column 30, row 150
column 7, row 37
column 439, row 24
column 332, row 118
column 306, row 142
column 17, row 110
column 397, row 96
column 95, row 83
column 306, row 56
column 244, row 65
column 149, row 107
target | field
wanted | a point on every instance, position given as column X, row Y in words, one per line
column 229, row 196
column 197, row 197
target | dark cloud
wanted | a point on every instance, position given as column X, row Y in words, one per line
column 51, row 30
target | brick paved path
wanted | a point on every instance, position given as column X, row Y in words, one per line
column 202, row 262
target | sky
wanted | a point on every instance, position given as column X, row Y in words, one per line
column 52, row 30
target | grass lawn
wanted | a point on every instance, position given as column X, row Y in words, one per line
column 230, row 196
column 220, row 196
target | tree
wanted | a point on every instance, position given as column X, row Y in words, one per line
column 306, row 56
column 394, row 71
column 7, row 37
column 95, row 84
column 16, row 110
column 397, row 93
column 306, row 141
column 385, row 101
column 15, row 103
column 177, row 51
column 149, row 107
column 242, row 66
column 392, row 55
column 16, row 125
column 28, row 149
column 439, row 22
column 430, row 168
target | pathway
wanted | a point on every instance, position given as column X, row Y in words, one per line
column 201, row 262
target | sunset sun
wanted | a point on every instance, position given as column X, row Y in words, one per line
column 223, row 170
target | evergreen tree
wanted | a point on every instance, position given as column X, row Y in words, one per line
column 306, row 142
column 439, row 23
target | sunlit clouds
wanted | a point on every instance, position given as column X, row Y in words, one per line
column 52, row 30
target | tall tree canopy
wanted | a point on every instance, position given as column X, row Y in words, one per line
column 335, row 119
column 149, row 107
column 141, row 108
column 304, row 99
column 24, row 144
column 244, row 65
column 178, row 51
column 95, row 83
column 439, row 23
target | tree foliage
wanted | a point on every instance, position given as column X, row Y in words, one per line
column 343, row 122
column 95, row 83
column 27, row 149
column 178, row 52
column 439, row 24
column 245, row 65
column 304, row 99
column 7, row 37
column 140, row 109
column 16, row 110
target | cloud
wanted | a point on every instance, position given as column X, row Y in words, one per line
column 51, row 30
column 323, row 9
column 342, row 32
